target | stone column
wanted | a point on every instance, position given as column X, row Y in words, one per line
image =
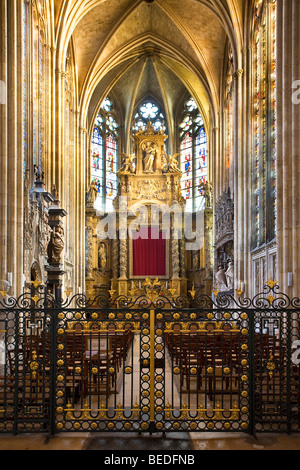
column 239, row 232
column 3, row 140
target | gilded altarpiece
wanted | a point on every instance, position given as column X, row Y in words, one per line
column 149, row 194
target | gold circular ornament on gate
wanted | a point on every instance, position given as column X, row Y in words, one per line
column 60, row 378
column 145, row 426
column 60, row 362
column 94, row 370
column 145, row 316
column 210, row 316
column 176, row 370
column 193, row 426
column 159, row 347
column 145, row 378
column 111, row 316
column 128, row 316
column 128, row 370
column 176, row 316
column 244, row 378
column 145, row 347
column 145, row 394
column 78, row 370
column 159, row 425
column 60, row 409
column 159, row 378
column 145, row 331
column 60, row 331
column 193, row 370
column 127, row 425
column 94, row 426
column 159, row 316
column 227, row 425
column 111, row 370
column 158, row 394
column 110, row 425
column 210, row 370
column 244, row 347
column 244, row 425
column 159, row 332
column 226, row 370
column 244, row 316
column 145, row 409
column 60, row 347
column 159, row 409
column 59, row 425
column 244, row 394
column 244, row 362
column 210, row 425
column 78, row 316
column 60, row 394
column 77, row 425
column 176, row 425
column 145, row 363
column 244, row 409
column 61, row 316
column 193, row 316
column 95, row 316
column 244, row 331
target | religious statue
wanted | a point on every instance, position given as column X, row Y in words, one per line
column 230, row 275
column 150, row 153
column 208, row 194
column 57, row 244
column 92, row 194
column 221, row 279
column 127, row 163
column 207, row 188
column 173, row 163
column 102, row 259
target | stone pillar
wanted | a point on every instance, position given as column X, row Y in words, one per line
column 239, row 195
column 55, row 266
column 288, row 145
column 3, row 140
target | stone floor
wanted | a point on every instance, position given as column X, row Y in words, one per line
column 178, row 442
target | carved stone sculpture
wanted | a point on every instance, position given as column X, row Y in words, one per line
column 221, row 279
column 127, row 163
column 230, row 275
column 92, row 194
column 57, row 244
column 102, row 258
column 150, row 153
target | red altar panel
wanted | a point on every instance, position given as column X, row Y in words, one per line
column 149, row 254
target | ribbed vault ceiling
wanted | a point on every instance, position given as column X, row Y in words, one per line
column 136, row 48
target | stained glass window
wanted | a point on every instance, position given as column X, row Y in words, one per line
column 148, row 110
column 104, row 161
column 264, row 130
column 193, row 150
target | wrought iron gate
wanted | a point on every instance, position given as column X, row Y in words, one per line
column 153, row 364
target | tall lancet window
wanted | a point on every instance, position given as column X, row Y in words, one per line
column 104, row 160
column 193, row 150
column 264, row 130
